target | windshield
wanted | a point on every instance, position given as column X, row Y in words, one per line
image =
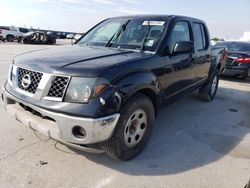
column 135, row 34
column 23, row 30
column 235, row 46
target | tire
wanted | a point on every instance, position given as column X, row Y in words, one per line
column 19, row 39
column 208, row 91
column 25, row 41
column 132, row 130
column 10, row 38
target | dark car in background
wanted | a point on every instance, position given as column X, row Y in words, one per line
column 62, row 35
column 238, row 61
column 38, row 37
column 52, row 34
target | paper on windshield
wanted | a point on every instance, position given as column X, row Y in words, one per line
column 158, row 23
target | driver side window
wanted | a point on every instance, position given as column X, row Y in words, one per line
column 180, row 33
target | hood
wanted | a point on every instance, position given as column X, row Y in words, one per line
column 75, row 60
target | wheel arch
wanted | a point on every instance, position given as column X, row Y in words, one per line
column 144, row 83
column 152, row 96
column 10, row 35
column 216, row 65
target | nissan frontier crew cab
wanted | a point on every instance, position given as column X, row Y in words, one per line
column 104, row 92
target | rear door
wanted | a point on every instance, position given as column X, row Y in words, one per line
column 179, row 72
column 202, row 57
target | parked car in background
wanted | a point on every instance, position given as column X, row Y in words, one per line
column 52, row 34
column 238, row 61
column 38, row 37
column 104, row 92
column 213, row 42
column 77, row 36
column 62, row 35
column 70, row 36
column 12, row 33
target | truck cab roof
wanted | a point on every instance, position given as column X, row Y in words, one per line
column 159, row 16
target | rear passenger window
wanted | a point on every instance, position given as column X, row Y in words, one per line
column 200, row 36
column 179, row 33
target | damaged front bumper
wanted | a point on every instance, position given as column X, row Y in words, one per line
column 61, row 127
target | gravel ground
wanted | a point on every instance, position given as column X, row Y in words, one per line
column 197, row 144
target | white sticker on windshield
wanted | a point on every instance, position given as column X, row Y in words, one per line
column 159, row 23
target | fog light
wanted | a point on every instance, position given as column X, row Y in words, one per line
column 79, row 132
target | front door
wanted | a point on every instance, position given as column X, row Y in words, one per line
column 179, row 72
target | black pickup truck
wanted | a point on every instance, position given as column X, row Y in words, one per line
column 103, row 93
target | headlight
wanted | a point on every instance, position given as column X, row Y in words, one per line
column 83, row 89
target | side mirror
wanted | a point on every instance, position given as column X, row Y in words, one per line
column 183, row 47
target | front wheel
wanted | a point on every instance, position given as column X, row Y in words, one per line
column 25, row 41
column 132, row 130
column 208, row 91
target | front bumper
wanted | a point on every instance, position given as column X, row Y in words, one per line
column 59, row 126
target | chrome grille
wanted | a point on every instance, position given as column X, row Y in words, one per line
column 58, row 87
column 35, row 79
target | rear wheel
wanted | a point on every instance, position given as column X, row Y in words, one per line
column 132, row 130
column 208, row 91
column 10, row 38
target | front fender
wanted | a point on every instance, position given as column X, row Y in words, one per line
column 132, row 83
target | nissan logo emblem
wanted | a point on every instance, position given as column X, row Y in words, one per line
column 26, row 81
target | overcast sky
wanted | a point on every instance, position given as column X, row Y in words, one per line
column 226, row 19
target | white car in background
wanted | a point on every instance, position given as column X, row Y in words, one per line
column 77, row 36
column 213, row 42
column 12, row 33
column 70, row 36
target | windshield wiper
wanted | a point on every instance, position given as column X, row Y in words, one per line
column 145, row 37
column 117, row 34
